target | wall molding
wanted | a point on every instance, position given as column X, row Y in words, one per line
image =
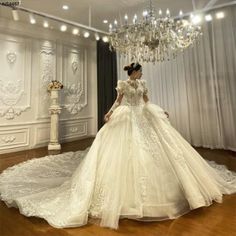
column 29, row 123
column 47, row 72
column 34, row 56
column 74, row 130
column 67, row 131
column 14, row 138
column 15, row 76
column 75, row 81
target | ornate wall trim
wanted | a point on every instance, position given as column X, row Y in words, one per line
column 74, row 78
column 15, row 76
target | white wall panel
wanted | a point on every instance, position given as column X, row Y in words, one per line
column 30, row 58
column 15, row 76
column 14, row 138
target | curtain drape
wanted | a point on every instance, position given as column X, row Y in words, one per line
column 198, row 88
column 107, row 79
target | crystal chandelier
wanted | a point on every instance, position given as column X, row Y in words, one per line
column 155, row 38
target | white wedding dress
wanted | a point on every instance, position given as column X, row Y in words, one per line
column 138, row 167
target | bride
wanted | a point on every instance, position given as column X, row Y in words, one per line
column 138, row 167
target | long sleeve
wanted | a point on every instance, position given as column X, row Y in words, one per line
column 145, row 89
column 120, row 92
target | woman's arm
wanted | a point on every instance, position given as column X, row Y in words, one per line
column 114, row 106
column 145, row 98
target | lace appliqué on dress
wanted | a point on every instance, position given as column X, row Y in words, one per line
column 227, row 175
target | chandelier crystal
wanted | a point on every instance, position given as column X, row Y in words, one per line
column 155, row 38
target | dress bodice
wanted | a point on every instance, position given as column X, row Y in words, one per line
column 133, row 91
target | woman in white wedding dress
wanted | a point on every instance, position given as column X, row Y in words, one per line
column 138, row 167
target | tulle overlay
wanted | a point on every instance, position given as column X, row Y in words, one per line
column 138, row 167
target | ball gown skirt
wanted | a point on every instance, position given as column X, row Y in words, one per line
column 138, row 167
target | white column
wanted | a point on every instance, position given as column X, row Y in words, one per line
column 54, row 110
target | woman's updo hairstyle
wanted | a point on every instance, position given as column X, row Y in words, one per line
column 132, row 67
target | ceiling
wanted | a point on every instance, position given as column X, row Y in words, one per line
column 106, row 9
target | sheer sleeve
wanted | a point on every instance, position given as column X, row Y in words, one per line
column 120, row 92
column 120, row 87
column 145, row 89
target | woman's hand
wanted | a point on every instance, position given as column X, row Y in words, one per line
column 167, row 114
column 107, row 116
column 145, row 98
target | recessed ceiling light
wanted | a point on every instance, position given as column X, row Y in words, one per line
column 105, row 21
column 63, row 28
column 97, row 37
column 208, row 17
column 45, row 24
column 32, row 19
column 75, row 31
column 105, row 39
column 65, row 7
column 167, row 12
column 220, row 15
column 86, row 34
column 15, row 15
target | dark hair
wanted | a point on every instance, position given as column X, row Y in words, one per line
column 132, row 67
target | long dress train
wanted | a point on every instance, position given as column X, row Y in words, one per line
column 138, row 167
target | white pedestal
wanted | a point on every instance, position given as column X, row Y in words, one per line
column 54, row 110
column 54, row 147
